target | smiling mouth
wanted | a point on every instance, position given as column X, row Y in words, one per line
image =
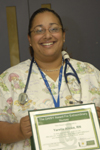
column 48, row 44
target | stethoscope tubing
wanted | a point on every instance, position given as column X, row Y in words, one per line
column 65, row 75
column 76, row 76
column 28, row 78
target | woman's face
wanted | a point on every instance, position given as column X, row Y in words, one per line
column 46, row 44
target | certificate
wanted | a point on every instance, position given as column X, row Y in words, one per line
column 72, row 128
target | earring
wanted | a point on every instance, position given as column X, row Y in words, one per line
column 30, row 45
column 64, row 40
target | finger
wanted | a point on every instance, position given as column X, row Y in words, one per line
column 98, row 114
column 27, row 132
column 26, row 118
column 98, row 109
column 25, row 126
column 25, row 121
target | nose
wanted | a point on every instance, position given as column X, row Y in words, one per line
column 47, row 34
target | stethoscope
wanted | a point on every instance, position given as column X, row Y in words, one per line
column 76, row 76
column 23, row 97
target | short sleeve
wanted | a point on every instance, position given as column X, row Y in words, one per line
column 6, row 100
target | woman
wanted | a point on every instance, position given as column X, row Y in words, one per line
column 46, row 38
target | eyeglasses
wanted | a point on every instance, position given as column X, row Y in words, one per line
column 42, row 30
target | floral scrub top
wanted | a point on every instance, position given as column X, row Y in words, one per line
column 12, row 83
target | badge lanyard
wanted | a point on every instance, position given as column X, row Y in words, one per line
column 23, row 97
column 57, row 104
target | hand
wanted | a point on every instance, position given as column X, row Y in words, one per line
column 25, row 127
column 98, row 111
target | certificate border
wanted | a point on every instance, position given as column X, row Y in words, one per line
column 96, row 135
column 66, row 112
column 62, row 112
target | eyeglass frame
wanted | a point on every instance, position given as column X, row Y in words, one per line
column 45, row 31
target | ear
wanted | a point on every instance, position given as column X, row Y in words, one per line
column 63, row 36
column 29, row 39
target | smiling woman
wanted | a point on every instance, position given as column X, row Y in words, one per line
column 46, row 37
column 43, row 82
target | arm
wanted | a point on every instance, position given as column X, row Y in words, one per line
column 10, row 133
column 98, row 112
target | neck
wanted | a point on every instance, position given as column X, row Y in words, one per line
column 52, row 64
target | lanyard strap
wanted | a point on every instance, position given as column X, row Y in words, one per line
column 57, row 104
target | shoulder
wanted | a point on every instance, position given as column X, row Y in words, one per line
column 21, row 66
column 84, row 67
column 16, row 70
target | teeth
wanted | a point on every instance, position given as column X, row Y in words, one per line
column 47, row 43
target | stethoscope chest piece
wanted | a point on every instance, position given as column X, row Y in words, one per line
column 23, row 98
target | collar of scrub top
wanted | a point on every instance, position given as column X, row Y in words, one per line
column 66, row 57
column 56, row 103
